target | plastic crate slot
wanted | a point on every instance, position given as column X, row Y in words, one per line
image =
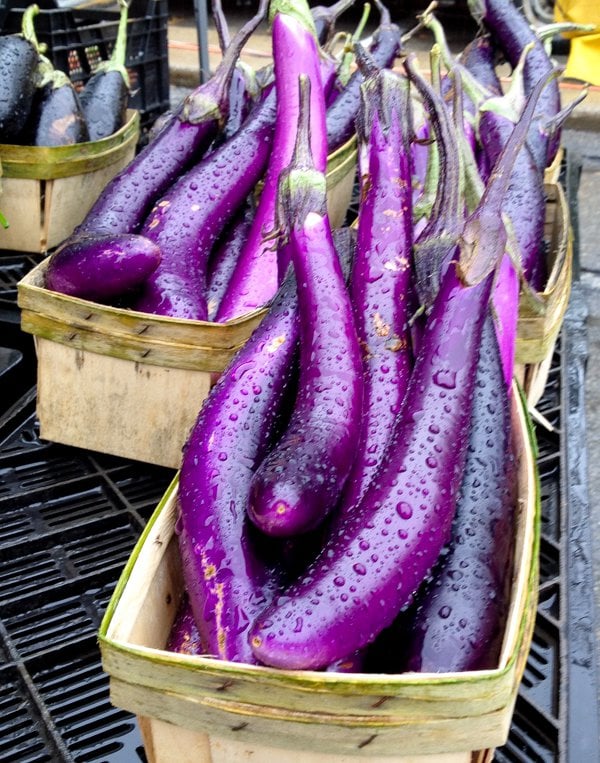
column 62, row 467
column 549, row 561
column 75, row 692
column 549, row 600
column 48, row 626
column 20, row 737
column 541, row 675
column 21, row 576
column 97, row 552
column 142, row 486
column 533, row 737
column 551, row 501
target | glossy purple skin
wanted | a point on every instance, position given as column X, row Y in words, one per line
column 224, row 257
column 57, row 118
column 301, row 479
column 459, row 622
column 255, row 279
column 103, row 268
column 184, row 637
column 506, row 305
column 341, row 114
column 512, row 32
column 18, row 62
column 478, row 57
column 226, row 579
column 370, row 568
column 187, row 220
column 524, row 202
column 379, row 288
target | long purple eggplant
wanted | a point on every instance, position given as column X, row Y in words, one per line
column 187, row 219
column 439, row 237
column 106, row 94
column 341, row 115
column 127, row 199
column 184, row 636
column 224, row 256
column 102, row 268
column 295, row 52
column 459, row 621
column 326, row 16
column 372, row 566
column 301, row 479
column 382, row 272
column 511, row 31
column 478, row 57
column 227, row 581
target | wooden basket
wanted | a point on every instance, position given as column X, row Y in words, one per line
column 540, row 320
column 129, row 383
column 192, row 708
column 48, row 191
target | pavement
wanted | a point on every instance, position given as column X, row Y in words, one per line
column 581, row 138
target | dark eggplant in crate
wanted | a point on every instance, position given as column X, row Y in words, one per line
column 18, row 62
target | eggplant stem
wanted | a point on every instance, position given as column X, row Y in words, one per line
column 221, row 25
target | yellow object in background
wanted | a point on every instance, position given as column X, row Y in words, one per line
column 583, row 62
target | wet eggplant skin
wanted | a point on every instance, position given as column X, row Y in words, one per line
column 56, row 117
column 18, row 61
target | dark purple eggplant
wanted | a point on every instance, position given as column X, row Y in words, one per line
column 106, row 94
column 123, row 205
column 186, row 221
column 299, row 482
column 512, row 32
column 227, row 580
column 341, row 115
column 326, row 16
column 18, row 62
column 102, row 268
column 373, row 565
column 458, row 621
column 56, row 117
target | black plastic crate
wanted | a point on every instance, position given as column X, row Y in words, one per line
column 78, row 39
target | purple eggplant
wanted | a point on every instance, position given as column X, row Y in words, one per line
column 341, row 115
column 102, row 268
column 127, row 199
column 382, row 271
column 479, row 58
column 326, row 16
column 186, row 221
column 56, row 117
column 106, row 94
column 438, row 239
column 295, row 52
column 227, row 581
column 459, row 620
column 370, row 568
column 301, row 479
column 224, row 256
column 184, row 636
column 511, row 31
column 18, row 62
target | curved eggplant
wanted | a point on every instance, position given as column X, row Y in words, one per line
column 103, row 267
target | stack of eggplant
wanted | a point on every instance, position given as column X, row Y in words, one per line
column 39, row 105
column 347, row 492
